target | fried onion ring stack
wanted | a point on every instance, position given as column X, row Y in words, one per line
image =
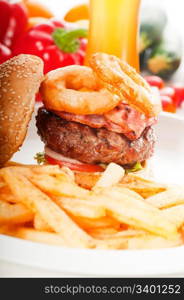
column 98, row 114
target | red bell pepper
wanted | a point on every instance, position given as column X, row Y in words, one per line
column 5, row 13
column 176, row 92
column 17, row 25
column 14, row 19
column 55, row 43
column 5, row 53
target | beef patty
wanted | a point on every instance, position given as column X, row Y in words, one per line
column 92, row 145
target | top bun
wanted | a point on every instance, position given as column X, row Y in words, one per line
column 20, row 79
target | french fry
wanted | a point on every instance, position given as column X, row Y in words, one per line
column 2, row 184
column 134, row 239
column 80, row 208
column 117, row 213
column 142, row 186
column 29, row 170
column 55, row 239
column 129, row 233
column 14, row 213
column 40, row 224
column 123, row 240
column 68, row 172
column 110, row 233
column 152, row 242
column 7, row 196
column 112, row 244
column 128, row 192
column 137, row 213
column 58, row 186
column 173, row 196
column 22, row 169
column 102, row 233
column 5, row 228
column 52, row 238
column 111, row 176
column 38, row 202
column 87, row 180
column 33, row 235
column 54, row 170
column 175, row 214
column 43, row 167
column 14, row 164
column 104, row 222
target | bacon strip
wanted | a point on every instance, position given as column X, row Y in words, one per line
column 131, row 121
column 122, row 119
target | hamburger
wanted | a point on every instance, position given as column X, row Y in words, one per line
column 85, row 121
column 120, row 131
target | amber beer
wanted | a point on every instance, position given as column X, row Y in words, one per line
column 114, row 29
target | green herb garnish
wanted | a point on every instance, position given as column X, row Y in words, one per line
column 135, row 168
column 40, row 158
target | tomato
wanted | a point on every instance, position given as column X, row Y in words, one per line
column 75, row 167
column 176, row 92
column 167, row 104
column 155, row 81
column 38, row 97
column 179, row 94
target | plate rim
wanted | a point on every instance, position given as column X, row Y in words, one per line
column 110, row 262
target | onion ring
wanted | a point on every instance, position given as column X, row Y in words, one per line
column 77, row 89
column 121, row 79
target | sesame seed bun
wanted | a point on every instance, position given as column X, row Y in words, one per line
column 20, row 78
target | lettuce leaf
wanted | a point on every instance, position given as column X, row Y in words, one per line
column 40, row 158
column 135, row 168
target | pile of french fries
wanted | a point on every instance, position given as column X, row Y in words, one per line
column 122, row 211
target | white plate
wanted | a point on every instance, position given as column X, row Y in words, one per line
column 168, row 165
